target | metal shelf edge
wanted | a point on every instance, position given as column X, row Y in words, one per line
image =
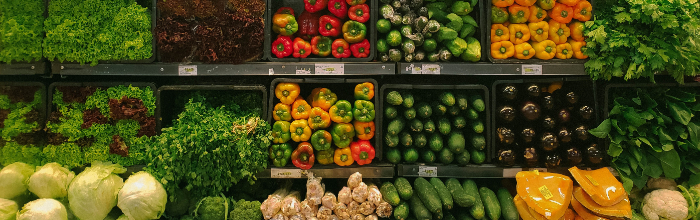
column 332, row 172
column 472, row 171
column 485, row 68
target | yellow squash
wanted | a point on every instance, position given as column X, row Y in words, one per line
column 603, row 187
column 547, row 193
column 621, row 209
column 583, row 212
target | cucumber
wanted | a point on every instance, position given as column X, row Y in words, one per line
column 477, row 210
column 438, row 216
column 458, row 195
column 404, row 188
column 407, row 100
column 401, row 212
column 488, row 197
column 391, row 140
column 445, row 195
column 478, row 157
column 419, row 210
column 449, row 216
column 508, row 210
column 429, row 126
column 428, row 195
column 395, row 126
column 390, row 194
column 390, row 112
column 464, row 216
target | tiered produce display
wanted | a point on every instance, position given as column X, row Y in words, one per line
column 21, row 30
column 414, row 30
column 447, row 130
column 325, row 130
column 22, row 113
column 544, row 29
column 325, row 28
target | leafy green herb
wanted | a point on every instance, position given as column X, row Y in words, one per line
column 21, row 30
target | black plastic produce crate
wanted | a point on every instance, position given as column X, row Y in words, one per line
column 551, row 120
column 484, row 116
column 343, row 88
column 28, row 89
column 298, row 6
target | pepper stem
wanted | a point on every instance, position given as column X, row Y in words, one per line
column 502, row 50
column 344, row 157
column 280, row 48
column 565, row 51
column 564, row 14
column 300, row 131
column 359, row 12
column 337, row 5
column 364, row 155
column 526, row 52
column 519, row 34
column 304, row 157
column 341, row 50
column 285, row 93
column 329, row 26
column 499, row 32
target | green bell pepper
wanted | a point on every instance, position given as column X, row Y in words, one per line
column 354, row 31
column 280, row 154
column 341, row 112
column 321, row 140
column 343, row 134
column 363, row 111
column 325, row 157
column 280, row 132
column 498, row 15
column 446, row 34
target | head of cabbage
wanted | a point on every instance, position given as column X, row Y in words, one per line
column 43, row 209
column 8, row 209
column 51, row 181
column 13, row 179
column 142, row 197
column 93, row 193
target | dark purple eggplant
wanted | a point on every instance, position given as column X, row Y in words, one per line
column 564, row 135
column 509, row 92
column 533, row 90
column 531, row 111
column 586, row 112
column 548, row 102
column 549, row 122
column 506, row 157
column 595, row 156
column 572, row 97
column 581, row 132
column 506, row 113
column 552, row 160
column 549, row 141
column 528, row 134
column 574, row 156
column 564, row 116
column 505, row 135
column 531, row 158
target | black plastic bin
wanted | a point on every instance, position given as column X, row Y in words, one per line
column 298, row 6
column 40, row 108
column 583, row 87
column 467, row 89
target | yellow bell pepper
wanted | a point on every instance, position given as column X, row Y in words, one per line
column 300, row 109
column 300, row 130
column 576, row 29
column 539, row 31
column 578, row 47
column 343, row 157
column 524, row 51
column 545, row 50
column 502, row 50
column 537, row 14
column 282, row 112
column 519, row 33
column 499, row 33
column 564, row 51
column 558, row 32
column 287, row 92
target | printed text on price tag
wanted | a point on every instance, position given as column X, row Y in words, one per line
column 330, row 69
column 531, row 69
column 285, row 173
column 189, row 70
column 426, row 171
column 431, row 68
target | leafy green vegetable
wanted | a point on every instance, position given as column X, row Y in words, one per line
column 639, row 38
column 246, row 210
column 21, row 30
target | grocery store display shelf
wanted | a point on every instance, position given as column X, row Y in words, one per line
column 470, row 171
column 23, row 68
column 379, row 170
column 483, row 68
column 255, row 68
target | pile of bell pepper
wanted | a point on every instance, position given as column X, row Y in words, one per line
column 324, row 129
column 324, row 28
column 544, row 29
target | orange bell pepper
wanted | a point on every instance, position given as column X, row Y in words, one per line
column 539, row 31
column 564, row 51
column 524, row 51
column 545, row 50
column 282, row 112
column 576, row 28
column 518, row 14
column 558, row 32
column 526, row 3
column 519, row 33
column 537, row 14
column 583, row 11
column 571, row 3
column 364, row 130
column 319, row 119
column 578, row 47
column 364, row 91
column 287, row 92
column 499, row 33
column 502, row 50
column 300, row 109
column 562, row 13
column 502, row 3
column 323, row 98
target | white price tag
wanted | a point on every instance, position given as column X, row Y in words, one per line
column 303, row 71
column 539, row 169
column 285, row 173
column 426, row 171
column 271, row 71
column 330, row 69
column 189, row 70
column 414, row 69
column 531, row 69
column 431, row 69
column 511, row 172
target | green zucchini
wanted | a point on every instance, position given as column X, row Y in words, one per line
column 508, row 210
column 427, row 193
column 488, row 197
column 477, row 210
column 445, row 195
column 458, row 195
column 390, row 194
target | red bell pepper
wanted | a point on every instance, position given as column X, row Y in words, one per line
column 282, row 47
column 303, row 157
column 355, row 2
column 302, row 48
column 362, row 152
column 329, row 26
column 321, row 46
column 341, row 48
column 359, row 13
column 360, row 50
column 308, row 25
column 285, row 10
column 314, row 6
column 338, row 8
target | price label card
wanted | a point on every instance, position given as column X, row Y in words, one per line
column 330, row 69
column 415, row 69
column 426, row 171
column 303, row 71
column 531, row 69
column 271, row 71
column 285, row 173
column 545, row 192
column 189, row 70
column 431, row 69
